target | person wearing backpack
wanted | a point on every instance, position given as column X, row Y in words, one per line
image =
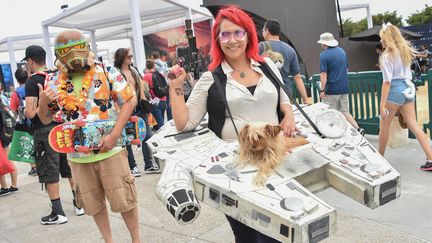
column 17, row 106
column 3, row 97
column 158, row 90
column 48, row 162
column 160, row 60
column 7, row 124
column 273, row 46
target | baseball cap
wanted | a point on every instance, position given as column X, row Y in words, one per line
column 34, row 51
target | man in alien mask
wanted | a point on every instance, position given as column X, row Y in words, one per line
column 85, row 90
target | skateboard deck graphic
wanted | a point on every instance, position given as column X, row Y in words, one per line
column 84, row 136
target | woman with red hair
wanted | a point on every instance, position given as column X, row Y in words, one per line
column 239, row 82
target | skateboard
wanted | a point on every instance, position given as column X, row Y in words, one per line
column 84, row 136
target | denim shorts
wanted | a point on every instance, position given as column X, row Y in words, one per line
column 395, row 95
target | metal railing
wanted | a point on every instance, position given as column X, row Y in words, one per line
column 364, row 94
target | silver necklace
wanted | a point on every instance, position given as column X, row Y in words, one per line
column 242, row 74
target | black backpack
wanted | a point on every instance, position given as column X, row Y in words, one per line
column 21, row 119
column 160, row 86
column 8, row 127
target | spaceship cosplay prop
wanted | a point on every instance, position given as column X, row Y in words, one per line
column 198, row 167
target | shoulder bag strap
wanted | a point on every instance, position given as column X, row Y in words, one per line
column 267, row 69
column 268, row 45
column 223, row 95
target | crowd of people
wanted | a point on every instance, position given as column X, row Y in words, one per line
column 240, row 80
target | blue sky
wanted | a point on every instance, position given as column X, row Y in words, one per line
column 403, row 7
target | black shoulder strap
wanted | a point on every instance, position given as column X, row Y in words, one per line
column 137, row 76
column 268, row 46
column 266, row 69
column 277, row 86
column 21, row 102
column 222, row 93
column 106, row 75
column 104, row 70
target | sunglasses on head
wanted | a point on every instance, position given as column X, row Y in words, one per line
column 63, row 51
column 239, row 35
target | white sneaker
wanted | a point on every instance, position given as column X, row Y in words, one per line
column 53, row 218
column 79, row 211
column 135, row 172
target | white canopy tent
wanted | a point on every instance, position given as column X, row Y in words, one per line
column 125, row 19
column 18, row 43
column 359, row 6
column 13, row 44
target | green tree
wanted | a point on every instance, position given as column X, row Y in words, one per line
column 350, row 27
column 421, row 17
column 387, row 16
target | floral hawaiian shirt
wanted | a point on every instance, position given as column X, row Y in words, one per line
column 90, row 96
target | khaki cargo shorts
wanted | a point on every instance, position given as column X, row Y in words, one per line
column 110, row 178
column 338, row 102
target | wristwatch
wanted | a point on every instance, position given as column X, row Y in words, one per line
column 322, row 90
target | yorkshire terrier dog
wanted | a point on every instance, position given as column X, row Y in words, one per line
column 264, row 146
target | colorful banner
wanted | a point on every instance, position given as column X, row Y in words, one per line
column 168, row 40
column 6, row 77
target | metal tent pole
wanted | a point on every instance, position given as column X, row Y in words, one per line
column 12, row 60
column 138, row 40
column 47, row 42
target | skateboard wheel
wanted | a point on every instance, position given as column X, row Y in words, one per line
column 133, row 119
column 136, row 142
column 80, row 123
column 83, row 149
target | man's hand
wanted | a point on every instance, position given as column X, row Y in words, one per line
column 107, row 143
column 322, row 95
column 307, row 101
column 46, row 95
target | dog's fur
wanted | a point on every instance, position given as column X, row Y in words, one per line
column 264, row 146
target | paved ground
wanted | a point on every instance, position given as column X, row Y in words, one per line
column 407, row 219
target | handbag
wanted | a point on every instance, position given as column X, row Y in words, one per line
column 21, row 148
column 145, row 106
column 6, row 166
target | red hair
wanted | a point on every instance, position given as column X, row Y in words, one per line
column 240, row 18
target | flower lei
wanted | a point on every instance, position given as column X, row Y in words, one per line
column 66, row 99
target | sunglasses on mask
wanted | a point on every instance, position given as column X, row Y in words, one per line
column 239, row 35
column 62, row 51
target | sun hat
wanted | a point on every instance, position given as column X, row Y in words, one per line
column 328, row 40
